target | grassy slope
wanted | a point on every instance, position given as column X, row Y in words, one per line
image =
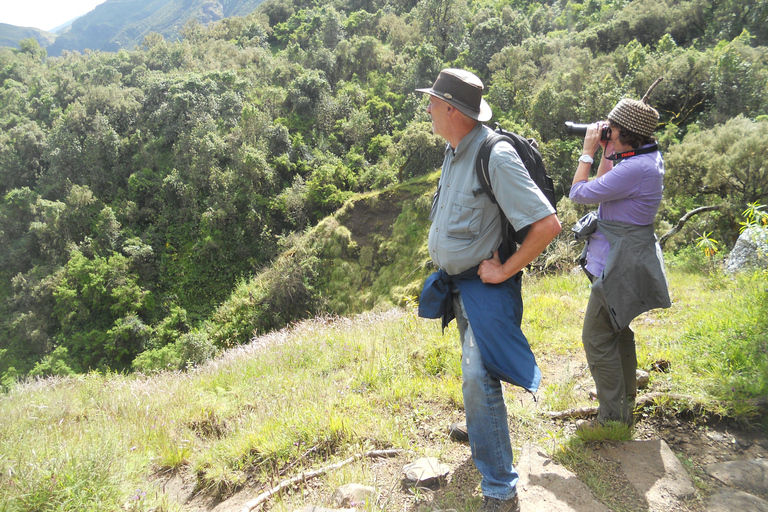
column 373, row 252
column 303, row 397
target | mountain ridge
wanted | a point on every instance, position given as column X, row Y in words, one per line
column 123, row 24
column 12, row 35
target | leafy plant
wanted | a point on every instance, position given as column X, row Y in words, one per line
column 707, row 245
column 755, row 216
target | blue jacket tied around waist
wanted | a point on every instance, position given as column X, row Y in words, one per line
column 495, row 313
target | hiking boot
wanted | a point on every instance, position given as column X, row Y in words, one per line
column 458, row 431
column 497, row 505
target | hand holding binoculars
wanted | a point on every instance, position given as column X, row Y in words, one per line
column 572, row 128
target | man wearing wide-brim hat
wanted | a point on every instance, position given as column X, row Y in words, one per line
column 475, row 283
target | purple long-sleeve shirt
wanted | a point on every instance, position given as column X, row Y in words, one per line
column 631, row 192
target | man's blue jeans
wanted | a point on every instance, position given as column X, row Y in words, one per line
column 486, row 415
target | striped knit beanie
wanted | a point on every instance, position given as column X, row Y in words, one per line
column 636, row 116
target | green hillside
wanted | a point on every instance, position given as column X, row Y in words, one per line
column 162, row 203
column 371, row 254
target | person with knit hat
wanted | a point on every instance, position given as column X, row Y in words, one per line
column 477, row 283
column 621, row 256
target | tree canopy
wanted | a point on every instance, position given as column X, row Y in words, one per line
column 139, row 188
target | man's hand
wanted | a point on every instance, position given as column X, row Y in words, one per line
column 541, row 232
column 491, row 271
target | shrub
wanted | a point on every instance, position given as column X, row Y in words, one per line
column 195, row 348
column 724, row 165
column 56, row 363
column 158, row 359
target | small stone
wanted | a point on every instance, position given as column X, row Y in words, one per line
column 717, row 436
column 426, row 471
column 643, row 378
column 352, row 495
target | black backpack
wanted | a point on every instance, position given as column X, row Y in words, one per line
column 529, row 154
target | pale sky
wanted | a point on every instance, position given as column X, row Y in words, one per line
column 44, row 14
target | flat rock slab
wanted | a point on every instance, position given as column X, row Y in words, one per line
column 653, row 470
column 547, row 486
column 729, row 500
column 427, row 471
column 750, row 475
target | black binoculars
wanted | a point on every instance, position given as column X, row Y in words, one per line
column 572, row 128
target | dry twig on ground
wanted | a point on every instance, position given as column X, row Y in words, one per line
column 263, row 497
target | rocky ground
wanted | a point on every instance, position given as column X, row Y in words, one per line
column 672, row 464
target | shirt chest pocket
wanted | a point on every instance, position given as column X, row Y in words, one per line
column 466, row 216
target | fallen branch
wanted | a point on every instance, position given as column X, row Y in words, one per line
column 642, row 402
column 579, row 412
column 261, row 498
column 685, row 218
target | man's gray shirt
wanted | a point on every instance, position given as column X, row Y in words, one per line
column 466, row 228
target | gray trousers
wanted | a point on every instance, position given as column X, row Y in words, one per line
column 612, row 361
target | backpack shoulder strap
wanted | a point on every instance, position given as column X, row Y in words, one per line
column 482, row 163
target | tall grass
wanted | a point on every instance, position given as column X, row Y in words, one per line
column 300, row 397
column 312, row 394
column 721, row 355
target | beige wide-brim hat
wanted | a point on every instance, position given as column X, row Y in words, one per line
column 463, row 90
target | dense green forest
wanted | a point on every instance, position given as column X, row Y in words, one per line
column 140, row 188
